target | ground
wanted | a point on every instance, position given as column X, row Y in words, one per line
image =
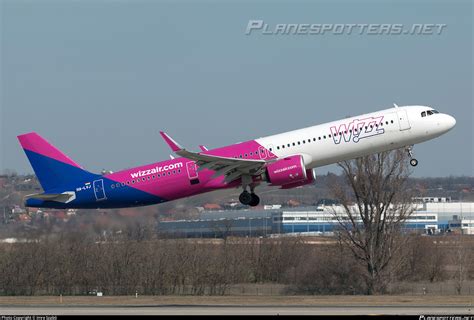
column 241, row 300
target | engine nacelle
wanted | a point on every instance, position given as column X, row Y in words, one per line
column 310, row 179
column 288, row 170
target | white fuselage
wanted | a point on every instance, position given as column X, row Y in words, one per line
column 361, row 135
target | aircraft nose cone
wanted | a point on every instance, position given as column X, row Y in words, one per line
column 450, row 122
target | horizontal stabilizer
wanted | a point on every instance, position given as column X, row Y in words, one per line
column 57, row 197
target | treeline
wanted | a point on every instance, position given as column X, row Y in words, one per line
column 71, row 264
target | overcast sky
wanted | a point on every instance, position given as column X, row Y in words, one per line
column 99, row 79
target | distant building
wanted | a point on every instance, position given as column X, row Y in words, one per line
column 24, row 217
column 431, row 199
column 429, row 217
column 3, row 182
column 467, row 226
column 212, row 206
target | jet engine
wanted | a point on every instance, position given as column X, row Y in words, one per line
column 288, row 171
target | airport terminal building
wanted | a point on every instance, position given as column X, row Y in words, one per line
column 431, row 216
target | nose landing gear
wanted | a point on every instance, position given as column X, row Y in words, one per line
column 413, row 161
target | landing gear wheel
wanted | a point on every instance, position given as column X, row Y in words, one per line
column 245, row 198
column 255, row 200
column 414, row 162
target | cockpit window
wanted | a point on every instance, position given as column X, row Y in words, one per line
column 429, row 113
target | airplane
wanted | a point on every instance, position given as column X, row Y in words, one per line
column 286, row 160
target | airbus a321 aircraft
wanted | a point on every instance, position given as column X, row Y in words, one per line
column 284, row 160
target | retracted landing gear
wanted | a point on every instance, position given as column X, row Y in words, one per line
column 248, row 198
column 413, row 161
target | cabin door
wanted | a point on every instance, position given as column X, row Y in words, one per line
column 99, row 190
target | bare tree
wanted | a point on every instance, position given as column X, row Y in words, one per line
column 375, row 206
column 425, row 260
column 461, row 260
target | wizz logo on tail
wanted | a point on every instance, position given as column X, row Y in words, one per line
column 357, row 129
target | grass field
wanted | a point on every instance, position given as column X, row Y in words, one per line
column 242, row 300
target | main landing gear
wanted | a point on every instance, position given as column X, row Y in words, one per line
column 248, row 198
column 413, row 161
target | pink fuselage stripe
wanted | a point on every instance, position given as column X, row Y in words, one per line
column 177, row 185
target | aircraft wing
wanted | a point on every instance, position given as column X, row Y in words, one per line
column 231, row 168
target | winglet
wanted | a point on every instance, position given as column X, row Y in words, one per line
column 173, row 144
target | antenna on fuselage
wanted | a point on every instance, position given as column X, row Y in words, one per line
column 395, row 105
